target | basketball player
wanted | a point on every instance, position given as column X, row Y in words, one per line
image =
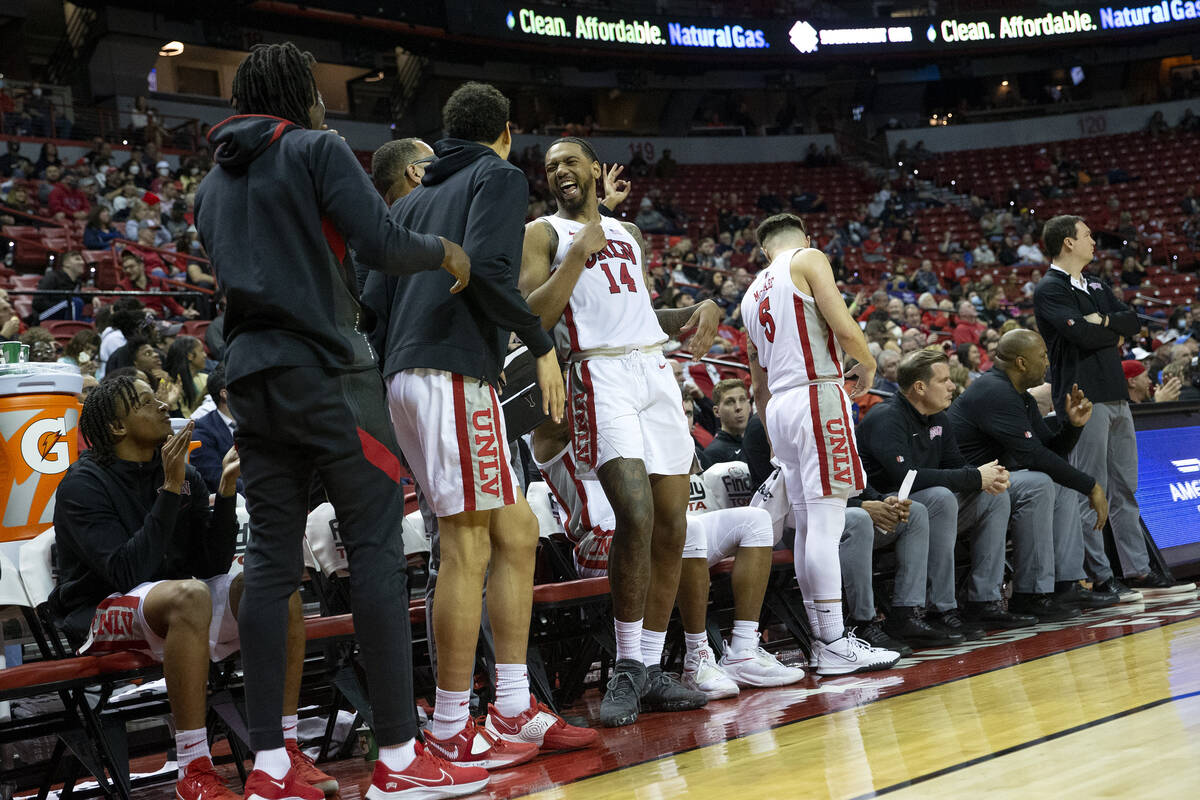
column 441, row 360
column 745, row 533
column 798, row 327
column 277, row 216
column 585, row 276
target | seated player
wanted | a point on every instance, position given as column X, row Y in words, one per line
column 732, row 406
column 144, row 565
column 744, row 533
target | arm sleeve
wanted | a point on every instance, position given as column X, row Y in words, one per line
column 1056, row 307
column 1121, row 318
column 348, row 199
column 121, row 558
column 213, row 530
column 868, row 494
column 1007, row 423
column 494, row 236
column 887, row 441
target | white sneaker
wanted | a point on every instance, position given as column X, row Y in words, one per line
column 702, row 674
column 757, row 667
column 849, row 654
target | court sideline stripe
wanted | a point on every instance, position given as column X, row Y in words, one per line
column 933, row 685
column 1016, row 748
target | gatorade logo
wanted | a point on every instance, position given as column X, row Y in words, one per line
column 44, row 446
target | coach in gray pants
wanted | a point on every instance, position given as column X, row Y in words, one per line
column 1083, row 323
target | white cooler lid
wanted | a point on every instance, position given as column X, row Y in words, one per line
column 39, row 378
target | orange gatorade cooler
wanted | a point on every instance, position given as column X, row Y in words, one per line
column 39, row 419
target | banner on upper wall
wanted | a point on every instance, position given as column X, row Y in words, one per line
column 800, row 39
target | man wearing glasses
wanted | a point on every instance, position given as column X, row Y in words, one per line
column 398, row 166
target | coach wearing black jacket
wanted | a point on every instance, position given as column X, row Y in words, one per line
column 997, row 418
column 1083, row 323
column 911, row 431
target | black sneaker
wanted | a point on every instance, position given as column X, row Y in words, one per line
column 990, row 615
column 1154, row 584
column 1073, row 595
column 1041, row 606
column 904, row 624
column 620, row 705
column 873, row 634
column 662, row 692
column 1114, row 586
column 953, row 622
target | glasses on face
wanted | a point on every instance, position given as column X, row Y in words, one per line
column 424, row 162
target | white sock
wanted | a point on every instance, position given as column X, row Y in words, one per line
column 397, row 757
column 451, row 711
column 695, row 641
column 629, row 639
column 745, row 635
column 810, row 608
column 652, row 647
column 512, row 689
column 275, row 762
column 830, row 627
column 191, row 745
column 290, row 723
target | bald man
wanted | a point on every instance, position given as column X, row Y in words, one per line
column 398, row 167
column 997, row 418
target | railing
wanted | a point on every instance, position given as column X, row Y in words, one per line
column 168, row 131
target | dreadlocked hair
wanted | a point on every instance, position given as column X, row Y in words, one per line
column 584, row 145
column 113, row 397
column 276, row 79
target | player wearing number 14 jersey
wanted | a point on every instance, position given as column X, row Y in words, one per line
column 798, row 325
column 583, row 274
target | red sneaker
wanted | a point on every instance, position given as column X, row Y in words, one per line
column 541, row 726
column 201, row 782
column 307, row 771
column 475, row 747
column 426, row 778
column 261, row 786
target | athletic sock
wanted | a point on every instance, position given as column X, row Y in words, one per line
column 512, row 689
column 190, row 745
column 652, row 647
column 275, row 762
column 629, row 639
column 290, row 723
column 810, row 609
column 695, row 641
column 745, row 635
column 830, row 627
column 397, row 757
column 451, row 710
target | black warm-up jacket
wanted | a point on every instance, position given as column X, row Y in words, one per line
column 277, row 216
column 895, row 438
column 115, row 529
column 473, row 196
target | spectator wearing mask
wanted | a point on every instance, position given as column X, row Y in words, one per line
column 911, row 431
column 997, row 419
column 731, row 404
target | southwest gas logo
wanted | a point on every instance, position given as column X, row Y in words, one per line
column 1186, row 490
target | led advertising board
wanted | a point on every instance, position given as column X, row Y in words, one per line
column 800, row 39
column 1168, row 483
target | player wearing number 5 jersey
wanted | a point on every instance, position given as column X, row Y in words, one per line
column 584, row 276
column 798, row 326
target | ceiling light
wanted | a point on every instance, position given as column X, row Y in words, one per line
column 171, row 49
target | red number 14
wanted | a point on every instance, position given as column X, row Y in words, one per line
column 630, row 283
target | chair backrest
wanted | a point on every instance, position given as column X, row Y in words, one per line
column 36, row 561
column 12, row 591
column 323, row 538
column 413, row 530
column 729, row 484
column 772, row 496
column 699, row 500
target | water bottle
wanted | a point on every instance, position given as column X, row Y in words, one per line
column 8, row 256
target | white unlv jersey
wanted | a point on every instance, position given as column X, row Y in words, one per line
column 609, row 307
column 581, row 501
column 795, row 345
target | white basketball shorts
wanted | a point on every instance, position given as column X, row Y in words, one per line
column 812, row 432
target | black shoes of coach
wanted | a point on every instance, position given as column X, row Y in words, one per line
column 990, row 614
column 1114, row 586
column 953, row 622
column 1073, row 595
column 905, row 624
column 871, row 632
column 1042, row 606
column 1156, row 584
